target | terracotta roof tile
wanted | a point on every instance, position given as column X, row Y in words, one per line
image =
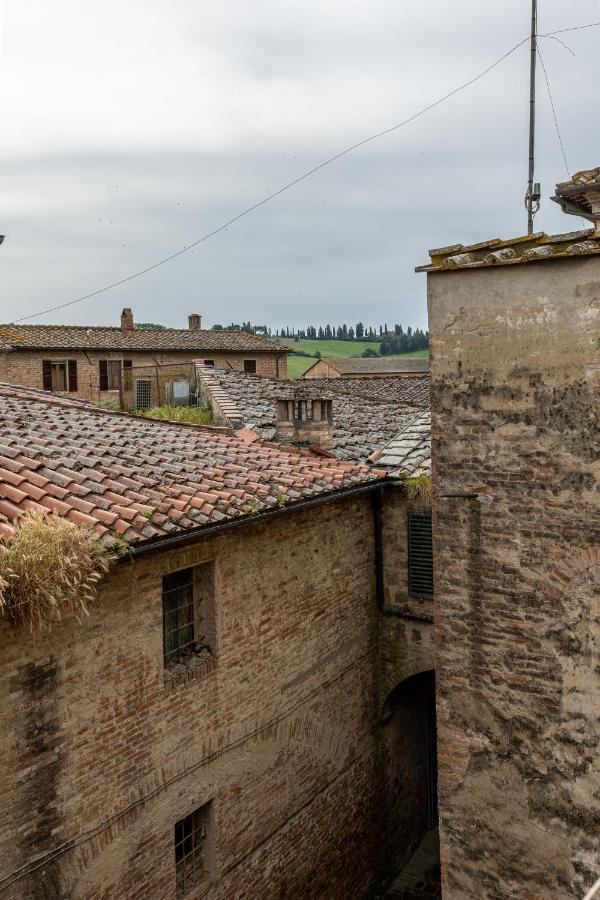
column 409, row 452
column 367, row 412
column 143, row 479
column 81, row 337
column 391, row 365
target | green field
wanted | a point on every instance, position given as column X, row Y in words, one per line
column 297, row 365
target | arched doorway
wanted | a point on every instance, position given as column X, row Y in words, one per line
column 410, row 764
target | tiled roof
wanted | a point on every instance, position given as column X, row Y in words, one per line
column 366, row 411
column 580, row 196
column 526, row 249
column 140, row 479
column 377, row 366
column 81, row 337
column 409, row 452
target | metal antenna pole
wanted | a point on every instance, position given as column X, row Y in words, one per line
column 530, row 197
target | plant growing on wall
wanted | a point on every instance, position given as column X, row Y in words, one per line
column 419, row 489
column 48, row 566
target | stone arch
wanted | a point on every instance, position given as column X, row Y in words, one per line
column 405, row 649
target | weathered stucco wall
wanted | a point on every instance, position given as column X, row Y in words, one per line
column 515, row 362
column 103, row 750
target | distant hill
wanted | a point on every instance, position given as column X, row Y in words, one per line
column 297, row 365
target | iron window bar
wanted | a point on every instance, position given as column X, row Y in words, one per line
column 178, row 615
column 190, row 840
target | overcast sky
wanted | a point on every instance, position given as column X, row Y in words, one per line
column 132, row 127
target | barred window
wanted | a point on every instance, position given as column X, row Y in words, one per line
column 193, row 837
column 188, row 613
column 250, row 366
column 420, row 554
column 178, row 614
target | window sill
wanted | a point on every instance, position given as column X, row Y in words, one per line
column 191, row 667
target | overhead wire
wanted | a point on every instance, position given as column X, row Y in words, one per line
column 278, row 192
column 269, row 197
column 553, row 107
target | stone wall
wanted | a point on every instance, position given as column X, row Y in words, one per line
column 25, row 368
column 515, row 414
column 406, row 628
column 104, row 750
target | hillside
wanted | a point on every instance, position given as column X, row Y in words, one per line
column 297, row 365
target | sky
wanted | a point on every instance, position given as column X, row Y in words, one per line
column 131, row 128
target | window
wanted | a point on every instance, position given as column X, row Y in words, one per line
column 420, row 554
column 250, row 366
column 59, row 375
column 143, row 393
column 110, row 373
column 188, row 613
column 209, row 362
column 194, row 837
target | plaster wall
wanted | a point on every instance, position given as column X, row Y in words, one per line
column 515, row 366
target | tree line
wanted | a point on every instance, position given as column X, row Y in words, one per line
column 396, row 340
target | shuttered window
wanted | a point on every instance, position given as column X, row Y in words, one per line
column 420, row 554
column 59, row 375
column 110, row 374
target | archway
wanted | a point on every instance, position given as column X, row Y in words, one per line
column 410, row 765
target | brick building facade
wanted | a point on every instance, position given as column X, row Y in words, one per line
column 515, row 366
column 87, row 362
column 284, row 748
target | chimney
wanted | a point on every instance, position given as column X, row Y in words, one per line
column 194, row 322
column 305, row 422
column 581, row 196
column 127, row 320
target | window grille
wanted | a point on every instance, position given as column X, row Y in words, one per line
column 143, row 393
column 178, row 614
column 420, row 554
column 250, row 366
column 191, row 839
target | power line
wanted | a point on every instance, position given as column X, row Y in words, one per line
column 296, row 181
column 277, row 193
column 574, row 28
column 560, row 140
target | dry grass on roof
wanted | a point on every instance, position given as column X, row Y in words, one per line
column 47, row 567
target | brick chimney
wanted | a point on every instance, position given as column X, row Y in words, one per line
column 194, row 322
column 127, row 320
column 581, row 196
column 305, row 422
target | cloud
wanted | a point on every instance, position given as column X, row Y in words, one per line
column 132, row 129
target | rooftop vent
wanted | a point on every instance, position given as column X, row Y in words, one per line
column 581, row 196
column 194, row 322
column 305, row 422
column 127, row 320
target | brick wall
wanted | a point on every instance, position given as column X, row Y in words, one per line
column 102, row 752
column 514, row 362
column 406, row 639
column 25, row 368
